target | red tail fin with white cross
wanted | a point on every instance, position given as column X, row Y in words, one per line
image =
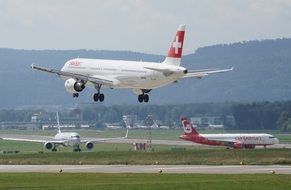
column 176, row 49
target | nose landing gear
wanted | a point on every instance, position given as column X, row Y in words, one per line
column 75, row 95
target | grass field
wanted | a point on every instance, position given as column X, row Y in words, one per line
column 103, row 153
column 88, row 181
column 185, row 157
column 171, row 134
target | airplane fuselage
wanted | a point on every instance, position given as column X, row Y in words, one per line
column 126, row 74
column 245, row 140
column 69, row 138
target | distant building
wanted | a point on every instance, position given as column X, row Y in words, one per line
column 113, row 125
column 214, row 127
column 208, row 121
column 35, row 118
column 67, row 126
column 129, row 120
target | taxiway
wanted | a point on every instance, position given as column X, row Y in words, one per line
column 202, row 169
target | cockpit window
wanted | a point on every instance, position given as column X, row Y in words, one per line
column 271, row 137
column 76, row 136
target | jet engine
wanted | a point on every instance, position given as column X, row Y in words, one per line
column 48, row 145
column 72, row 86
column 89, row 145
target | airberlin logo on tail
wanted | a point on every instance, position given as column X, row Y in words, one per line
column 187, row 126
column 177, row 45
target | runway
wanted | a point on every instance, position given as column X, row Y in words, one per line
column 177, row 142
column 201, row 169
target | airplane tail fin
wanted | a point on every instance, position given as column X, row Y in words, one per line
column 188, row 128
column 176, row 49
column 58, row 121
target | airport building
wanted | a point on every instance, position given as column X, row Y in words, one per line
column 208, row 122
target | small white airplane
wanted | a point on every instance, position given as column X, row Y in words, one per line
column 65, row 139
column 247, row 140
column 141, row 77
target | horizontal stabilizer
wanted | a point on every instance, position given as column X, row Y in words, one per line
column 166, row 72
column 205, row 72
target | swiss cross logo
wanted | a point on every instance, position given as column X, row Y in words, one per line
column 176, row 45
column 75, row 63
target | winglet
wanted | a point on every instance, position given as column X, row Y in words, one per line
column 58, row 121
column 126, row 134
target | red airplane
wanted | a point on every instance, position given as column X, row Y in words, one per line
column 238, row 140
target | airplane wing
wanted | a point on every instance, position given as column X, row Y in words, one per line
column 23, row 140
column 93, row 79
column 32, row 140
column 105, row 139
column 202, row 73
column 101, row 140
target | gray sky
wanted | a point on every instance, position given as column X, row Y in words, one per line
column 139, row 25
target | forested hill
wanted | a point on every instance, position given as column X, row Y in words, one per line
column 261, row 72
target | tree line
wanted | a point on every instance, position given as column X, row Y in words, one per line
column 247, row 116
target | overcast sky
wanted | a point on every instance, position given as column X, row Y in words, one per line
column 139, row 25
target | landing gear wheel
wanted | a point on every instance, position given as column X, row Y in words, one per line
column 75, row 95
column 140, row 98
column 54, row 150
column 146, row 98
column 96, row 97
column 143, row 98
column 101, row 97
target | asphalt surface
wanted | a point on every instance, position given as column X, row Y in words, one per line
column 131, row 141
column 202, row 169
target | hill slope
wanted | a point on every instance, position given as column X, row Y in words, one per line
column 262, row 72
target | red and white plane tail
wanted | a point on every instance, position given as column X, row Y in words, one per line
column 189, row 130
column 176, row 49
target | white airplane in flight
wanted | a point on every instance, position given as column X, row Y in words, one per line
column 65, row 139
column 239, row 141
column 141, row 77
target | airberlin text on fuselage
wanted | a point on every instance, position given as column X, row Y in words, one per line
column 248, row 138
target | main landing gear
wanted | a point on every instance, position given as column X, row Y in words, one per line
column 98, row 96
column 77, row 149
column 144, row 97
